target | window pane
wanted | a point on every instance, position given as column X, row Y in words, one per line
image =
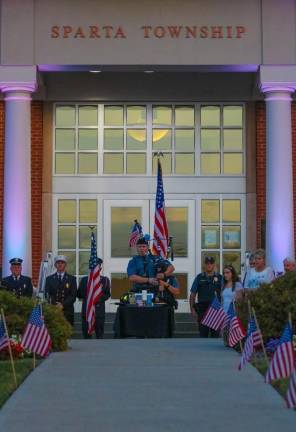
column 233, row 115
column 210, row 116
column 162, row 139
column 113, row 163
column 233, row 139
column 136, row 139
column 71, row 257
column 233, row 163
column 135, row 163
column 210, row 163
column 210, row 237
column 88, row 211
column 65, row 116
column 67, row 211
column 214, row 254
column 166, row 164
column 177, row 219
column 184, row 139
column 88, row 139
column 84, row 237
column 113, row 139
column 88, row 116
column 67, row 237
column 184, row 116
column 135, row 115
column 120, row 284
column 162, row 115
column 210, row 139
column 231, row 211
column 65, row 139
column 113, row 115
column 83, row 262
column 65, row 163
column 210, row 211
column 121, row 224
column 183, row 285
column 184, row 163
column 234, row 259
column 231, row 237
column 87, row 163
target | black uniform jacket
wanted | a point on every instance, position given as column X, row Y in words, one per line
column 63, row 292
column 81, row 293
column 21, row 287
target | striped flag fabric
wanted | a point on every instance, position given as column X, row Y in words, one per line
column 4, row 339
column 136, row 233
column 94, row 286
column 228, row 316
column 236, row 330
column 283, row 361
column 253, row 340
column 36, row 337
column 291, row 393
column 214, row 316
column 160, row 235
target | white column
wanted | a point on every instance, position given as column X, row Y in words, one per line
column 279, row 175
column 17, row 177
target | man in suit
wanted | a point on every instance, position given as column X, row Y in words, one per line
column 61, row 288
column 19, row 285
column 99, row 307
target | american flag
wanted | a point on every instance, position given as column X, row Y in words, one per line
column 253, row 340
column 228, row 316
column 160, row 235
column 282, row 362
column 236, row 330
column 4, row 340
column 136, row 233
column 94, row 286
column 291, row 393
column 36, row 337
column 214, row 316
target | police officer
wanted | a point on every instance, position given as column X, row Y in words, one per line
column 141, row 269
column 99, row 307
column 19, row 285
column 61, row 289
column 205, row 286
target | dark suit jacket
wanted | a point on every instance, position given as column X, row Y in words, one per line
column 62, row 292
column 81, row 293
column 21, row 288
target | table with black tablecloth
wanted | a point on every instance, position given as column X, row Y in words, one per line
column 156, row 321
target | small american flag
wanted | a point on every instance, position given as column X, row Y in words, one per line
column 282, row 362
column 160, row 235
column 214, row 316
column 136, row 233
column 228, row 316
column 94, row 286
column 36, row 337
column 236, row 330
column 253, row 340
column 291, row 393
column 4, row 340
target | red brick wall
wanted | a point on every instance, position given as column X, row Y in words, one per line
column 2, row 139
column 36, row 184
column 260, row 167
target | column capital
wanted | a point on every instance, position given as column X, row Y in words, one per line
column 277, row 82
column 18, row 79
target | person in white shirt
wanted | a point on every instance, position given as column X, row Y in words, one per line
column 260, row 273
column 232, row 289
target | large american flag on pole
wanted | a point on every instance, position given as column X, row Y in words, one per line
column 160, row 235
column 283, row 361
column 36, row 337
column 94, row 286
column 291, row 393
column 136, row 233
column 253, row 340
column 4, row 340
column 214, row 316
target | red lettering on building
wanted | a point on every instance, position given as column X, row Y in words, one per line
column 229, row 32
column 67, row 30
column 108, row 31
column 159, row 32
column 217, row 32
column 55, row 32
column 174, row 31
column 191, row 31
column 204, row 32
column 146, row 31
column 120, row 33
column 240, row 30
column 79, row 33
column 94, row 32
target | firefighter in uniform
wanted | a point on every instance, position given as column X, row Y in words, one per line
column 61, row 289
column 205, row 286
column 19, row 285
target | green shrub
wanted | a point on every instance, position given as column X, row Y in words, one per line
column 272, row 303
column 17, row 312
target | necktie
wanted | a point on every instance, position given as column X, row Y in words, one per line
column 60, row 277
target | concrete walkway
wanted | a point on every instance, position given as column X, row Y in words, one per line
column 145, row 385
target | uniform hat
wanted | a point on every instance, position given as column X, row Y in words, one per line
column 142, row 241
column 60, row 258
column 99, row 261
column 16, row 261
column 209, row 260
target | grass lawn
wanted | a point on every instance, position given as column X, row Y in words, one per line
column 22, row 367
column 281, row 386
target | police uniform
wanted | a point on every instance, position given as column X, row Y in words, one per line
column 20, row 286
column 99, row 307
column 206, row 287
column 145, row 266
column 62, row 290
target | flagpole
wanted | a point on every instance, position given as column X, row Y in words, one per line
column 240, row 342
column 261, row 337
column 9, row 349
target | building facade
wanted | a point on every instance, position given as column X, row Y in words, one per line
column 91, row 90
